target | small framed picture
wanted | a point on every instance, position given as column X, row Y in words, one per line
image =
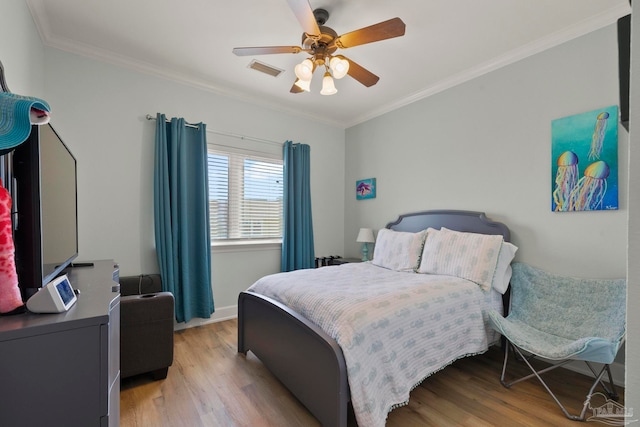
column 366, row 189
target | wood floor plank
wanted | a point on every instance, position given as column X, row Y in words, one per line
column 211, row 385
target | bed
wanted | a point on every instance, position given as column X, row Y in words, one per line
column 306, row 356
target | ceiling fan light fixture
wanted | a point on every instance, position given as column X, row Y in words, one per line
column 339, row 67
column 304, row 84
column 304, row 70
column 328, row 87
column 320, row 42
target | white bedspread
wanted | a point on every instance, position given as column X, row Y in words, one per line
column 394, row 328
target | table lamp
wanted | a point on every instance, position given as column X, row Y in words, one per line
column 365, row 236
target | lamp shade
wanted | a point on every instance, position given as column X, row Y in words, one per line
column 365, row 236
column 328, row 87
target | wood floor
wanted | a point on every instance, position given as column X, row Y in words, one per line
column 210, row 384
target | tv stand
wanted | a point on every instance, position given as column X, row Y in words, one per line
column 63, row 369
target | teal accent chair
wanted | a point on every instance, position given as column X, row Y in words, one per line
column 563, row 319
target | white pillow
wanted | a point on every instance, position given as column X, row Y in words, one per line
column 502, row 275
column 470, row 256
column 398, row 250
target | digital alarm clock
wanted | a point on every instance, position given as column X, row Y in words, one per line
column 54, row 297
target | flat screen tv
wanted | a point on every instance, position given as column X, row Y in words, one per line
column 45, row 205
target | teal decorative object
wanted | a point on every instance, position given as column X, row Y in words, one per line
column 365, row 236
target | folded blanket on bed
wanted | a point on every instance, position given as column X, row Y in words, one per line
column 394, row 328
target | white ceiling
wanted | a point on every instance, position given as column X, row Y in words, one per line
column 446, row 43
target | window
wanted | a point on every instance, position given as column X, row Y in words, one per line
column 245, row 194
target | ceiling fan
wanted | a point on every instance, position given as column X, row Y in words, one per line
column 321, row 43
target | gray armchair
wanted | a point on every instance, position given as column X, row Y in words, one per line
column 146, row 326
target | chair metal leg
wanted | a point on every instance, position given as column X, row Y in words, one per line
column 504, row 364
column 598, row 380
column 526, row 360
column 613, row 394
column 604, row 369
column 537, row 375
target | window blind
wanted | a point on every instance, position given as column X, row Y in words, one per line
column 245, row 193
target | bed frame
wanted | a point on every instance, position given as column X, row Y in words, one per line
column 301, row 355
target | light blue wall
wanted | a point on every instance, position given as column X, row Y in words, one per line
column 21, row 51
column 100, row 112
column 485, row 145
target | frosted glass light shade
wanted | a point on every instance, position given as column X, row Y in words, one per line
column 304, row 84
column 339, row 67
column 328, row 87
column 304, row 70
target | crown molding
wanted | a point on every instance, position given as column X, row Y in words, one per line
column 597, row 22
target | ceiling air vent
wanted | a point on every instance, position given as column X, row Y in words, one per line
column 265, row 68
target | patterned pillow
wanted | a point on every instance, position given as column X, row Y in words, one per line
column 470, row 256
column 398, row 250
column 502, row 275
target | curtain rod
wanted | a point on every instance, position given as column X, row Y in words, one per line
column 233, row 135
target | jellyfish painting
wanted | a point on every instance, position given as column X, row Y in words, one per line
column 598, row 135
column 591, row 188
column 566, row 180
column 584, row 156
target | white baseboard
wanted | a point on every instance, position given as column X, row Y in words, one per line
column 222, row 313
column 617, row 371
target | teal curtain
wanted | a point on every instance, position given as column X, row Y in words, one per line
column 181, row 208
column 297, row 238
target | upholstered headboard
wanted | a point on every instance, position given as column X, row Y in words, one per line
column 467, row 221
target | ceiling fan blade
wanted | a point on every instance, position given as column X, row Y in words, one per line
column 360, row 73
column 265, row 50
column 296, row 89
column 304, row 13
column 373, row 33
